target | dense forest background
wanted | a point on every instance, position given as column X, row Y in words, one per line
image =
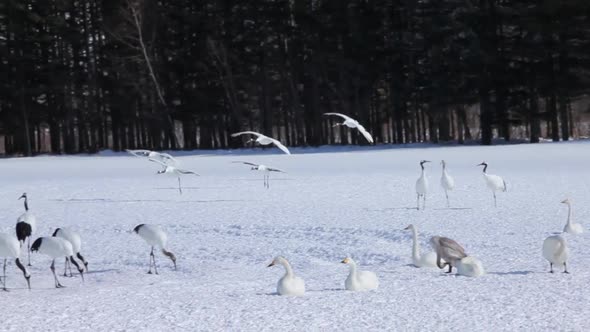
column 85, row 75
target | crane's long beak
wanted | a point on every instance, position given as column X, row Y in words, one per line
column 271, row 264
column 479, row 164
column 22, row 196
column 565, row 201
column 408, row 227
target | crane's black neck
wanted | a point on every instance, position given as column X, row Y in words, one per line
column 26, row 204
column 485, row 167
column 422, row 165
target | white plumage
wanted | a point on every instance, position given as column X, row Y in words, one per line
column 352, row 123
column 263, row 140
column 421, row 186
column 446, row 181
column 56, row 247
column 470, row 267
column 160, row 156
column 155, row 236
column 173, row 170
column 10, row 248
column 359, row 280
column 555, row 250
column 289, row 284
column 426, row 260
column 26, row 225
column 262, row 168
column 76, row 242
column 494, row 182
column 571, row 227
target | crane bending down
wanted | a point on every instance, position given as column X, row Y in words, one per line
column 262, row 168
column 352, row 123
column 262, row 140
column 172, row 170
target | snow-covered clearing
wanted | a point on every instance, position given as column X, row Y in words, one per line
column 227, row 227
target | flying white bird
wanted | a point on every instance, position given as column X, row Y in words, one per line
column 56, row 247
column 26, row 224
column 555, row 250
column 263, row 140
column 494, row 182
column 446, row 181
column 10, row 248
column 421, row 186
column 571, row 227
column 172, row 170
column 289, row 284
column 155, row 237
column 359, row 280
column 261, row 168
column 76, row 242
column 160, row 156
column 352, row 123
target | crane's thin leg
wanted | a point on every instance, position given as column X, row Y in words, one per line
column 52, row 267
column 4, row 277
column 29, row 250
column 66, row 267
column 424, row 205
column 564, row 269
column 417, row 201
column 550, row 267
column 495, row 204
column 447, row 194
column 151, row 259
column 179, row 187
column 154, row 257
column 70, row 260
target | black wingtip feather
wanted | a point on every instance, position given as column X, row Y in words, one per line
column 136, row 229
column 23, row 230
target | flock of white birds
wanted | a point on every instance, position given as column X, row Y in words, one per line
column 66, row 244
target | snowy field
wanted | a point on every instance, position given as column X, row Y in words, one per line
column 226, row 228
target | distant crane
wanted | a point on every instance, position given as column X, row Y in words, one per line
column 262, row 168
column 421, row 186
column 155, row 237
column 494, row 182
column 172, row 170
column 160, row 156
column 446, row 181
column 352, row 123
column 263, row 140
column 26, row 224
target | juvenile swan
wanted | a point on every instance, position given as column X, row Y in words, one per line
column 426, row 260
column 455, row 256
column 289, row 284
column 359, row 280
column 571, row 227
column 555, row 251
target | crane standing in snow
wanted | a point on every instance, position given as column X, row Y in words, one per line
column 421, row 186
column 494, row 182
column 155, row 237
column 446, row 181
column 26, row 224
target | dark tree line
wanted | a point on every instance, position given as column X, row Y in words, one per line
column 84, row 75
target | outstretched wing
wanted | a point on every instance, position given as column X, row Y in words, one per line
column 274, row 170
column 246, row 133
column 167, row 157
column 158, row 162
column 184, row 171
column 139, row 153
column 365, row 133
column 280, row 146
column 345, row 117
column 244, row 162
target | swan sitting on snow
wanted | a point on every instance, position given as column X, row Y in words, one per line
column 571, row 227
column 555, row 250
column 426, row 260
column 289, row 284
column 359, row 280
column 455, row 256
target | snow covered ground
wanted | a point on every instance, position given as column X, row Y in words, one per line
column 226, row 228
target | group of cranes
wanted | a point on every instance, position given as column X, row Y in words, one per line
column 493, row 182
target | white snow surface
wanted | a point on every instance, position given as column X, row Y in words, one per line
column 226, row 227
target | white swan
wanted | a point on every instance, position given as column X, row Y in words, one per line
column 421, row 186
column 289, row 284
column 359, row 280
column 470, row 267
column 571, row 227
column 426, row 260
column 555, row 250
column 446, row 181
